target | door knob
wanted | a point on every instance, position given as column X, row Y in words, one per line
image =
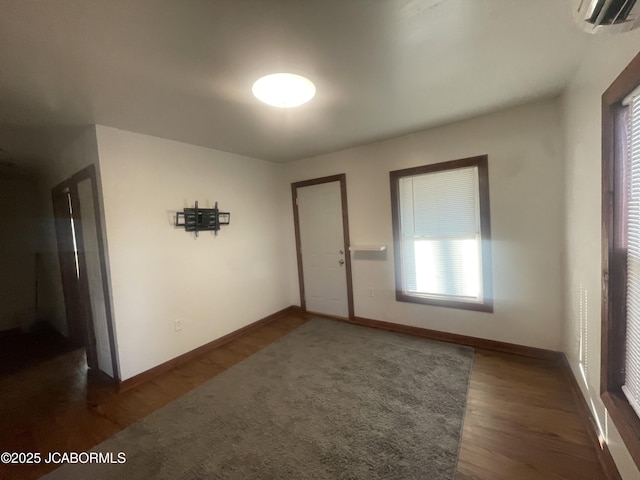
column 341, row 262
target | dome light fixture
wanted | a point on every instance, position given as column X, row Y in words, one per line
column 284, row 90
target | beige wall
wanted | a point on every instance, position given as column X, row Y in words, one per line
column 526, row 180
column 581, row 111
column 160, row 273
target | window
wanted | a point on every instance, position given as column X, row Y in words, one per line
column 441, row 233
column 620, row 360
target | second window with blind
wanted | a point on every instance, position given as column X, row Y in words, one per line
column 441, row 227
column 620, row 352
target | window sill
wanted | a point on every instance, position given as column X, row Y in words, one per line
column 486, row 306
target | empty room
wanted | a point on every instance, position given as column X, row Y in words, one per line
column 340, row 239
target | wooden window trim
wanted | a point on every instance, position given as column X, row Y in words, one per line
column 614, row 259
column 485, row 228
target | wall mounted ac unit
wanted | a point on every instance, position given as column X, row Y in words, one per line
column 606, row 16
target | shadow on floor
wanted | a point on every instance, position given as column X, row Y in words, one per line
column 19, row 350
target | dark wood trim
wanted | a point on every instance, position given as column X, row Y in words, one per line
column 614, row 255
column 79, row 326
column 63, row 242
column 607, row 338
column 441, row 302
column 625, row 419
column 342, row 178
column 602, row 450
column 482, row 163
column 83, row 281
column 485, row 230
column 438, row 167
column 347, row 243
column 317, row 181
column 89, row 173
column 458, row 339
column 296, row 223
column 614, row 260
column 147, row 375
column 624, row 84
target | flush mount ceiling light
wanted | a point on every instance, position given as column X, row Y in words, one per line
column 284, row 90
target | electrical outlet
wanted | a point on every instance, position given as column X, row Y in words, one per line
column 371, row 292
column 177, row 324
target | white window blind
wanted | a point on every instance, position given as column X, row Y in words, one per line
column 440, row 231
column 631, row 388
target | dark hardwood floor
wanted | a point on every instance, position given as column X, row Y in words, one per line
column 19, row 350
column 521, row 423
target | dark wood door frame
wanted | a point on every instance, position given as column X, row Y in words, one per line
column 74, row 288
column 82, row 294
column 342, row 178
column 77, row 328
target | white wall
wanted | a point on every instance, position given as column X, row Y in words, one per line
column 160, row 273
column 69, row 150
column 526, row 179
column 581, row 110
column 17, row 252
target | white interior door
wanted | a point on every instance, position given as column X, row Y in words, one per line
column 322, row 248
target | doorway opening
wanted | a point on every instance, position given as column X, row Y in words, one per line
column 32, row 326
column 321, row 223
column 81, row 255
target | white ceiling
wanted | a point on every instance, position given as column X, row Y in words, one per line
column 183, row 69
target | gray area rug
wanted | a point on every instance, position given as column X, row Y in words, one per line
column 327, row 401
